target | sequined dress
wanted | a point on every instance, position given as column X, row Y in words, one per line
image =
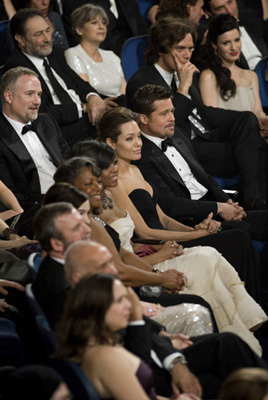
column 210, row 276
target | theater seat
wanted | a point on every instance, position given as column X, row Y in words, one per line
column 132, row 57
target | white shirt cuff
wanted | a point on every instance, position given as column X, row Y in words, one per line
column 168, row 360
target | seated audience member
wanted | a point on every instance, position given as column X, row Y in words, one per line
column 101, row 68
column 31, row 143
column 73, row 103
column 33, row 382
column 143, row 274
column 175, row 170
column 136, row 196
column 53, row 19
column 56, row 226
column 222, row 83
column 224, row 140
column 125, row 21
column 140, row 343
column 245, row 384
column 100, row 305
column 192, row 10
column 234, row 245
column 254, row 31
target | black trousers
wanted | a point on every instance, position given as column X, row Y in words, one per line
column 235, row 146
column 212, row 358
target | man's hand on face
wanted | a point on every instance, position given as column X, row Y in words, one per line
column 185, row 74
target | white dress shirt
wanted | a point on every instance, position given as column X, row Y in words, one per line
column 41, row 158
column 195, row 188
column 249, row 49
column 39, row 64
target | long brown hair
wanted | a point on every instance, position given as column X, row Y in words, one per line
column 84, row 316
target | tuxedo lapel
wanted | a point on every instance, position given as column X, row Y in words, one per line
column 158, row 77
column 161, row 159
column 42, row 131
column 16, row 146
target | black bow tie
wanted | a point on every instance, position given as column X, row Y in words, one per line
column 28, row 127
column 167, row 142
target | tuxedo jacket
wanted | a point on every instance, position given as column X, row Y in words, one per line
column 129, row 23
column 17, row 169
column 66, row 115
column 50, row 288
column 211, row 117
column 174, row 197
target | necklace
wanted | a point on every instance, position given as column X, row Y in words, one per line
column 97, row 219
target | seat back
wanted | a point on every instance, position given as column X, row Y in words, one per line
column 144, row 7
column 34, row 262
column 132, row 57
column 263, row 84
column 47, row 336
column 77, row 381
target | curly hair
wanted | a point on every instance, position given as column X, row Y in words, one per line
column 208, row 59
column 164, row 34
column 84, row 316
column 177, row 9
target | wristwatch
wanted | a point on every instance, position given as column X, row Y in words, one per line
column 178, row 360
column 157, row 271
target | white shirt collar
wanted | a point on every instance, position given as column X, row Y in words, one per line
column 37, row 61
column 156, row 140
column 17, row 126
column 167, row 76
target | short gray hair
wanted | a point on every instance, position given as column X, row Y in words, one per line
column 86, row 13
column 9, row 79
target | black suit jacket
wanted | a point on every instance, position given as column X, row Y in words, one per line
column 66, row 115
column 17, row 169
column 50, row 288
column 129, row 23
column 258, row 32
column 174, row 197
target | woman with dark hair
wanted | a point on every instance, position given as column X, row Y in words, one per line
column 222, row 83
column 206, row 272
column 97, row 308
column 63, row 191
column 101, row 68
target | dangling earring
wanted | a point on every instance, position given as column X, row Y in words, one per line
column 216, row 51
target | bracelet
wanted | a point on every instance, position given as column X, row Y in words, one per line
column 5, row 235
column 157, row 271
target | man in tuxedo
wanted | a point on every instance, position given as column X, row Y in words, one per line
column 224, row 140
column 253, row 29
column 74, row 104
column 172, row 168
column 56, row 226
column 125, row 21
column 31, row 144
column 208, row 357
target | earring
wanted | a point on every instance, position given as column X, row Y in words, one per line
column 216, row 51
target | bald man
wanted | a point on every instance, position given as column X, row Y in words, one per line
column 210, row 357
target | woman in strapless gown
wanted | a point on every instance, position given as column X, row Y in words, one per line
column 222, row 83
column 206, row 272
column 93, row 342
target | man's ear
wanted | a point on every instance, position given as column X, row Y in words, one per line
column 8, row 96
column 110, row 143
column 20, row 40
column 76, row 278
column 57, row 245
column 144, row 119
